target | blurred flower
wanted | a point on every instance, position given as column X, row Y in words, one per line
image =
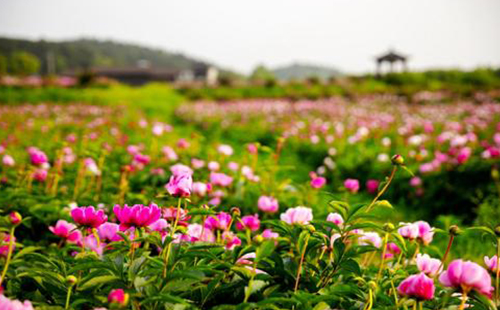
column 118, row 296
column 392, row 250
column 40, row 175
column 335, row 218
column 372, row 186
column 230, row 240
column 225, row 149
column 316, row 181
column 220, row 179
column 221, row 221
column 408, row 230
column 201, row 189
column 491, row 263
column 8, row 304
column 4, row 244
column 268, row 204
column 370, row 238
column 8, row 161
column 180, row 185
column 297, row 215
column 351, row 185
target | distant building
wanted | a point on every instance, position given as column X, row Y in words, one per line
column 392, row 59
column 144, row 73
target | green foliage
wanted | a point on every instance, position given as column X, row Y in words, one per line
column 23, row 63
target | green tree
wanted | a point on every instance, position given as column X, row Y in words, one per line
column 262, row 75
column 23, row 63
column 3, row 65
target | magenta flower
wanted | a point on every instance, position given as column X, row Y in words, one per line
column 8, row 304
column 297, row 215
column 268, row 204
column 251, row 222
column 467, row 276
column 230, row 240
column 66, row 231
column 317, row 182
column 335, row 218
column 429, row 266
column 372, row 186
column 252, row 148
column 180, row 185
column 37, row 157
column 351, row 185
column 392, row 250
column 118, row 296
column 137, row 215
column 220, row 222
column 417, row 286
column 491, row 263
column 415, row 182
column 88, row 216
column 40, row 175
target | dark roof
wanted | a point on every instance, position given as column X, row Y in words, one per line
column 391, row 56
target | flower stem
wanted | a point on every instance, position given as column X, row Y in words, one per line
column 9, row 255
column 299, row 271
column 68, row 296
column 464, row 299
column 172, row 232
column 384, row 189
column 497, row 279
column 450, row 242
column 382, row 261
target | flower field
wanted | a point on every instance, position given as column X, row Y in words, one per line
column 370, row 202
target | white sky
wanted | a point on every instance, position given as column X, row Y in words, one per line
column 239, row 34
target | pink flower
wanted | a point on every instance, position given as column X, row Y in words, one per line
column 160, row 226
column 220, row 179
column 253, row 149
column 180, row 169
column 317, row 182
column 66, row 230
column 269, row 234
column 91, row 244
column 8, row 161
column 4, row 247
column 40, row 175
column 491, row 263
column 429, row 266
column 182, row 143
column 392, row 250
column 7, row 304
column 370, row 238
column 88, row 216
column 225, row 149
column 197, row 163
column 268, row 204
column 170, row 214
column 251, row 222
column 37, row 157
column 297, row 215
column 118, row 296
column 196, row 233
column 213, row 166
column 180, row 185
column 418, row 286
column 409, row 231
column 169, row 153
column 425, row 232
column 109, row 232
column 351, row 185
column 415, row 182
column 372, row 186
column 467, row 276
column 220, row 222
column 200, row 188
column 335, row 218
column 137, row 216
column 230, row 240
column 463, row 155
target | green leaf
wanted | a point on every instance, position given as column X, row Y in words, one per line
column 264, row 250
column 98, row 281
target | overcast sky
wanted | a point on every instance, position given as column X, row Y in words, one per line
column 239, row 34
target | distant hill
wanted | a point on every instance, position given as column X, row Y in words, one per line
column 300, row 71
column 86, row 53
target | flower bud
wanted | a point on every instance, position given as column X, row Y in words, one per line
column 311, row 228
column 372, row 285
column 397, row 160
column 258, row 239
column 495, row 175
column 236, row 211
column 71, row 280
column 15, row 218
column 118, row 297
column 388, row 227
column 383, row 203
column 454, row 230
